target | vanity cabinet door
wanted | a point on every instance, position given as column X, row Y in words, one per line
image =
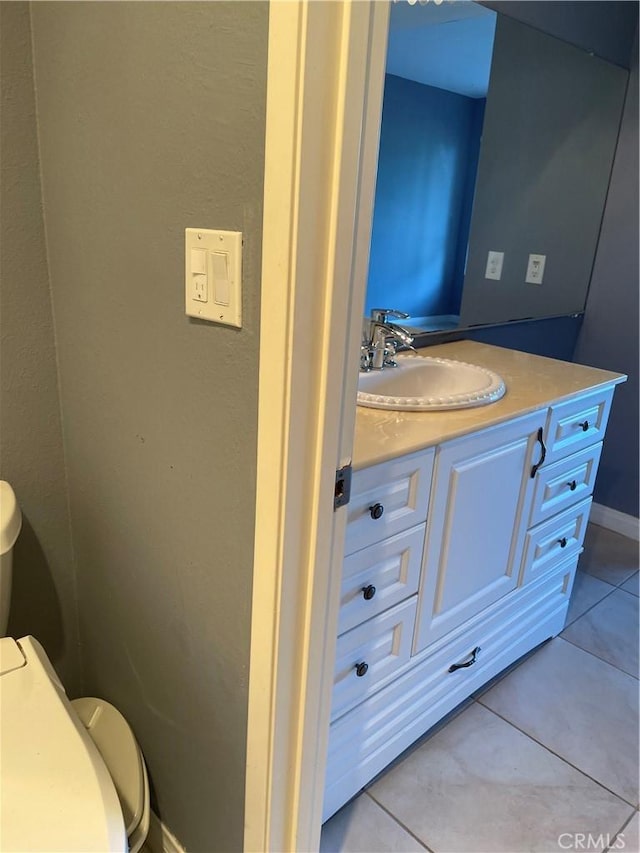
column 480, row 505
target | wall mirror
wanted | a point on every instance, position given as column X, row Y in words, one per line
column 497, row 142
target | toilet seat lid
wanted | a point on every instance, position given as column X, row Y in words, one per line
column 57, row 793
column 118, row 747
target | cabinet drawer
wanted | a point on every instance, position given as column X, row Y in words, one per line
column 398, row 489
column 363, row 741
column 577, row 423
column 554, row 540
column 380, row 576
column 564, row 483
column 382, row 644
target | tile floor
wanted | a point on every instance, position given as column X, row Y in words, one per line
column 547, row 751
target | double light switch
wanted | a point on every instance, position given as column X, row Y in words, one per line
column 213, row 275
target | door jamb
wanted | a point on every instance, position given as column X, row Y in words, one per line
column 324, row 97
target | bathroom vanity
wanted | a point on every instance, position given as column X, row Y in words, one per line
column 463, row 535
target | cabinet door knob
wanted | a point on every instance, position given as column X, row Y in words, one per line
column 472, row 659
column 572, row 485
column 361, row 669
column 368, row 592
column 563, row 542
column 584, row 425
column 376, row 511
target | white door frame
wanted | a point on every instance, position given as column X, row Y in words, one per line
column 324, row 97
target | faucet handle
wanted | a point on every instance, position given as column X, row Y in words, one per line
column 380, row 315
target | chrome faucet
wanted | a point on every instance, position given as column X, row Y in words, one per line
column 381, row 339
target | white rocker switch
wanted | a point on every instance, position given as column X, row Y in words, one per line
column 221, row 286
column 199, row 261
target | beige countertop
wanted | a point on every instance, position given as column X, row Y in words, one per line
column 533, row 382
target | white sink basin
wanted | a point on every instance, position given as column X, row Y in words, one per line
column 423, row 383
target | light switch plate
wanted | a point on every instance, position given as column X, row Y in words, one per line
column 213, row 275
column 494, row 265
column 535, row 269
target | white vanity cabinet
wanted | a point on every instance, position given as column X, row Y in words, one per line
column 459, row 559
column 481, row 490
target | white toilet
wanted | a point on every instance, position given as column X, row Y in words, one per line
column 72, row 776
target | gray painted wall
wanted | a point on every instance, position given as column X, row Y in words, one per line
column 609, row 336
column 31, row 451
column 548, row 141
column 152, row 120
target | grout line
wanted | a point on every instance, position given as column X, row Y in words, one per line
column 595, row 577
column 593, row 654
column 621, row 831
column 565, row 760
column 614, row 585
column 626, row 591
column 619, row 585
column 398, row 821
column 595, row 604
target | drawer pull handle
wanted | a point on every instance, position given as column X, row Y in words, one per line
column 563, row 542
column 376, row 511
column 572, row 485
column 543, row 455
column 368, row 592
column 473, row 658
column 362, row 669
column 584, row 425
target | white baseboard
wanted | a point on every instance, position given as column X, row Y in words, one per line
column 619, row 522
column 160, row 840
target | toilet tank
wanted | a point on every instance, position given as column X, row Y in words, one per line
column 10, row 523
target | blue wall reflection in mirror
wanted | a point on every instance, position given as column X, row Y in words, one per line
column 434, row 97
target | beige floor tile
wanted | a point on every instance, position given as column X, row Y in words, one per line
column 610, row 631
column 580, row 707
column 632, row 585
column 481, row 786
column 609, row 556
column 363, row 827
column 587, row 591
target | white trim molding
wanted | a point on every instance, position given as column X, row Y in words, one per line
column 613, row 519
column 313, row 281
column 160, row 839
